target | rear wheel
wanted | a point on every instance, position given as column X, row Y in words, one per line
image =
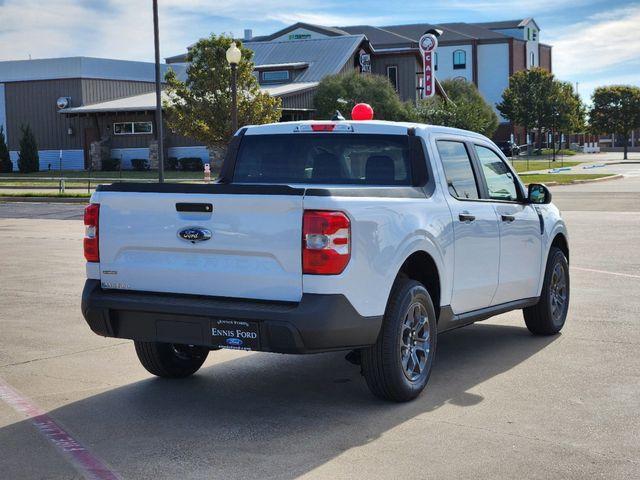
column 397, row 367
column 547, row 317
column 171, row 360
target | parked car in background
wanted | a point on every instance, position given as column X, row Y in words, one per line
column 372, row 237
column 509, row 148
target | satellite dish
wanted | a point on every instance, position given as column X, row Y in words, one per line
column 63, row 102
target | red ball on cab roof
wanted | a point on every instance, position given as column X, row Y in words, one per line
column 362, row 111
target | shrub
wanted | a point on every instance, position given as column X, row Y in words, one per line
column 28, row 158
column 467, row 109
column 5, row 162
column 191, row 164
column 562, row 151
column 110, row 164
column 343, row 91
column 171, row 164
column 140, row 164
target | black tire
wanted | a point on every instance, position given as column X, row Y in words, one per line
column 548, row 316
column 170, row 360
column 382, row 363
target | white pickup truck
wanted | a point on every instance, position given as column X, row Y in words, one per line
column 373, row 237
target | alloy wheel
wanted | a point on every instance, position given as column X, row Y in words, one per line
column 558, row 292
column 415, row 341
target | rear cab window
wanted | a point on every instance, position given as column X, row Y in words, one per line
column 324, row 158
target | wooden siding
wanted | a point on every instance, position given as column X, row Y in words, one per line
column 407, row 72
column 34, row 103
column 105, row 125
column 299, row 101
column 97, row 90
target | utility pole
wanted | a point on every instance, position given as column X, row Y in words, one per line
column 160, row 135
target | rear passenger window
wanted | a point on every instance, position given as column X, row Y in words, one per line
column 457, row 168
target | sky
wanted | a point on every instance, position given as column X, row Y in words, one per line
column 595, row 42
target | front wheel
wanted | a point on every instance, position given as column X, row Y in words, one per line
column 171, row 360
column 397, row 367
column 547, row 317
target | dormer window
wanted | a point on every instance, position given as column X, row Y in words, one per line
column 275, row 76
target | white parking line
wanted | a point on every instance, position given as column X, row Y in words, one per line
column 593, row 270
column 77, row 454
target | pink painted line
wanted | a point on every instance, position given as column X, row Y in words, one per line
column 78, row 455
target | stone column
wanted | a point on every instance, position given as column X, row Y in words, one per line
column 98, row 151
column 216, row 157
column 153, row 155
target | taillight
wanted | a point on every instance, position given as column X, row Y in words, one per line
column 91, row 216
column 326, row 242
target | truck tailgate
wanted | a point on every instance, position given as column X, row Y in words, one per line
column 254, row 250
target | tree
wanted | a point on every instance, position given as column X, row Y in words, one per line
column 343, row 91
column 616, row 109
column 467, row 109
column 200, row 106
column 28, row 158
column 5, row 162
column 568, row 111
column 528, row 100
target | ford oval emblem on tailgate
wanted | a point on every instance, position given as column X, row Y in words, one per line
column 195, row 234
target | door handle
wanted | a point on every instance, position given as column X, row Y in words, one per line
column 508, row 218
column 466, row 217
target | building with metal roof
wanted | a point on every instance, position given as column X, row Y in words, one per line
column 72, row 103
column 486, row 54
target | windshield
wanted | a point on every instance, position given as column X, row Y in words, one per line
column 324, row 158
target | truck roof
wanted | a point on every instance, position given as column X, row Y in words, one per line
column 359, row 126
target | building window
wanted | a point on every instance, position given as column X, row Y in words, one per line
column 275, row 76
column 132, row 128
column 435, row 60
column 532, row 59
column 392, row 75
column 459, row 59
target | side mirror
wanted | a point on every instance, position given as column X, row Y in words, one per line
column 539, row 194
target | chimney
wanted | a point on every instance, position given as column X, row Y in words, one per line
column 248, row 34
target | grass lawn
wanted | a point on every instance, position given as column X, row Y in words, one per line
column 129, row 174
column 527, row 166
column 48, row 195
column 561, row 178
column 49, row 178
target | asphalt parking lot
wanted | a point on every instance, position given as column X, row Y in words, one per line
column 500, row 404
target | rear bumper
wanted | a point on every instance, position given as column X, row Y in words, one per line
column 318, row 323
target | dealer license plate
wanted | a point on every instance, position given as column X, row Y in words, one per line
column 235, row 334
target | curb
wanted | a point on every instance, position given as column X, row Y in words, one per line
column 592, row 180
column 44, row 199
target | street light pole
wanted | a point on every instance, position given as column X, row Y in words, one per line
column 234, row 55
column 160, row 134
column 234, row 98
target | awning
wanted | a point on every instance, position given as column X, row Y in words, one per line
column 147, row 101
